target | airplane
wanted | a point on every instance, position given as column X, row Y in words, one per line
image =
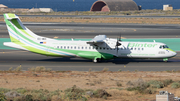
column 97, row 49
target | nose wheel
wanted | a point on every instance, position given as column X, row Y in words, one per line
column 165, row 59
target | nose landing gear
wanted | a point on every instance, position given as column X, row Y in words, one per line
column 165, row 59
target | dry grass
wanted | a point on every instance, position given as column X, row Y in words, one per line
column 53, row 80
column 156, row 12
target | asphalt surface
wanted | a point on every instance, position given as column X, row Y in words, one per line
column 73, row 30
column 14, row 58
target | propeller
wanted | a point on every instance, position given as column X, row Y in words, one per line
column 117, row 43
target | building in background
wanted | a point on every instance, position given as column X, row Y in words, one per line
column 45, row 10
column 5, row 9
column 114, row 5
column 167, row 7
column 3, row 6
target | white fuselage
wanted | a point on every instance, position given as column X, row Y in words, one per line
column 125, row 50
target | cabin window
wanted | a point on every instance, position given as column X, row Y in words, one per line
column 96, row 47
column 64, row 47
column 61, row 47
column 138, row 48
column 100, row 48
column 74, row 47
column 71, row 47
column 166, row 46
column 82, row 47
column 104, row 48
column 85, row 47
column 78, row 47
column 89, row 47
column 131, row 48
column 142, row 48
column 134, row 48
column 68, row 47
column 57, row 46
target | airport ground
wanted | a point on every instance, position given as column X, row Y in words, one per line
column 124, row 70
column 14, row 58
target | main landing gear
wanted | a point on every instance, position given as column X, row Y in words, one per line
column 96, row 60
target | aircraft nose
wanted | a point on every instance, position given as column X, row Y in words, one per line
column 174, row 54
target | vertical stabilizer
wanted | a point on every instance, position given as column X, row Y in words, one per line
column 23, row 38
column 17, row 31
column 10, row 27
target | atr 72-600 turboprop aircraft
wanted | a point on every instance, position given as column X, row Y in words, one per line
column 99, row 48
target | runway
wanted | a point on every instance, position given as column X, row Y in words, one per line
column 73, row 30
column 14, row 58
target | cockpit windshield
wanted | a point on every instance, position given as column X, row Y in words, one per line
column 163, row 46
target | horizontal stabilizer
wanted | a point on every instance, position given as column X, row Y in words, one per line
column 11, row 16
column 13, row 45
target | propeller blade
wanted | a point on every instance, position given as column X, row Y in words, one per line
column 117, row 49
column 117, row 44
column 120, row 38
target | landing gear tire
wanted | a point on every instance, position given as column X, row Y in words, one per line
column 96, row 60
column 165, row 59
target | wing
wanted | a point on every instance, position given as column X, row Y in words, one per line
column 97, row 40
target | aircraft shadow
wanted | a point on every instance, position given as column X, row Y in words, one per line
column 115, row 61
column 66, row 59
column 63, row 59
